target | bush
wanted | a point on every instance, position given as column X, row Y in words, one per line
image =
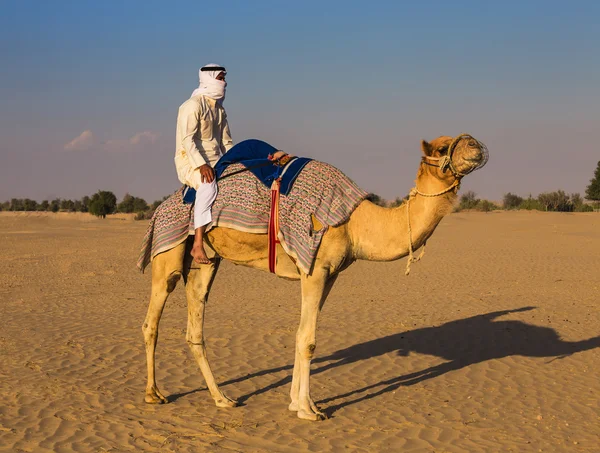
column 531, row 204
column 468, row 201
column 555, row 201
column 511, row 201
column 144, row 215
column 397, row 202
column 584, row 208
column 374, row 198
column 487, row 206
column 579, row 205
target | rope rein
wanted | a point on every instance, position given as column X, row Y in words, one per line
column 444, row 162
column 413, row 193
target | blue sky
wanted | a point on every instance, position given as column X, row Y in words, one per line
column 354, row 84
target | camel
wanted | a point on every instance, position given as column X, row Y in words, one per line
column 371, row 233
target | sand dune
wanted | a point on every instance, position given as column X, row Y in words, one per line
column 491, row 345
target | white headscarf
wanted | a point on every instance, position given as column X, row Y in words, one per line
column 209, row 85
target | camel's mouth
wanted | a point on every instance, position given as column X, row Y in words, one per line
column 475, row 153
column 464, row 155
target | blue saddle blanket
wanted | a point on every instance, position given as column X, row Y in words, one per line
column 254, row 155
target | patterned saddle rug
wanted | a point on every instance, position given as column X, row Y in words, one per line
column 243, row 204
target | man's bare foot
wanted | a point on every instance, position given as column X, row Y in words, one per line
column 199, row 254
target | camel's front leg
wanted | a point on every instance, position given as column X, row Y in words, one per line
column 315, row 289
column 198, row 286
column 166, row 272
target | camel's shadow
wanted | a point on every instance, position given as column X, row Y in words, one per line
column 461, row 343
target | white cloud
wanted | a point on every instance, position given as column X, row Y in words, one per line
column 86, row 140
column 132, row 143
column 83, row 141
column 144, row 137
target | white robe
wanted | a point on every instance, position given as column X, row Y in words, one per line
column 202, row 137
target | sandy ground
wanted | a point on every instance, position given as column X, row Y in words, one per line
column 492, row 344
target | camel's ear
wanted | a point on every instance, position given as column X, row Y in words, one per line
column 427, row 148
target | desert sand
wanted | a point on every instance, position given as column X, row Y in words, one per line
column 491, row 344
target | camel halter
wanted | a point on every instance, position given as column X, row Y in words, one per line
column 444, row 162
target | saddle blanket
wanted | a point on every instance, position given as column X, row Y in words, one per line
column 170, row 225
column 243, row 204
column 254, row 155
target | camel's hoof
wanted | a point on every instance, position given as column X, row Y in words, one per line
column 155, row 397
column 293, row 406
column 310, row 415
column 226, row 402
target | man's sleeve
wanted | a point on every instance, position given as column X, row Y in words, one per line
column 226, row 140
column 189, row 122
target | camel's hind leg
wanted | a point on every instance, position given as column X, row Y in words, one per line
column 315, row 289
column 199, row 282
column 166, row 271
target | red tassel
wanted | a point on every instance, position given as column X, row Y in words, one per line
column 273, row 230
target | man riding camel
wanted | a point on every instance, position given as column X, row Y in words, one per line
column 203, row 136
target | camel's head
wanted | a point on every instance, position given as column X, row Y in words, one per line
column 461, row 155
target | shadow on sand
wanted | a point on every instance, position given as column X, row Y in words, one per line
column 461, row 343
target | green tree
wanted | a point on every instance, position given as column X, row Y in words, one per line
column 563, row 203
column 85, row 204
column 511, row 201
column 139, row 205
column 555, row 201
column 16, row 204
column 593, row 190
column 579, row 205
column 103, row 203
column 44, row 205
column 55, row 205
column 30, row 205
column 131, row 204
column 67, row 205
column 576, row 201
column 126, row 204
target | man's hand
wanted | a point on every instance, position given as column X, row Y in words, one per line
column 207, row 173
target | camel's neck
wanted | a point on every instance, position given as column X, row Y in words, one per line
column 381, row 234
